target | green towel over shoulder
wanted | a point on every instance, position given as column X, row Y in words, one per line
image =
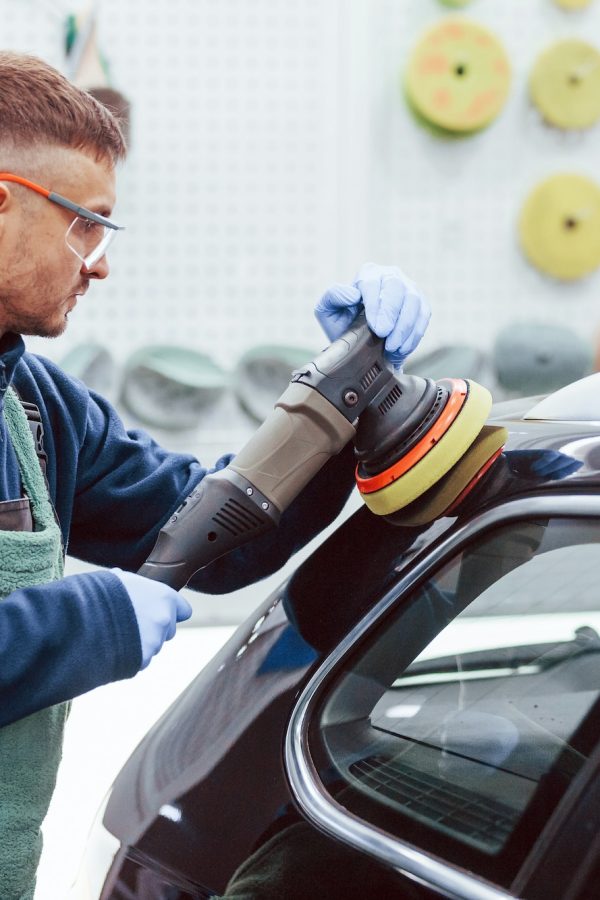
column 30, row 750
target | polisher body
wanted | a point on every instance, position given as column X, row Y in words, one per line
column 346, row 393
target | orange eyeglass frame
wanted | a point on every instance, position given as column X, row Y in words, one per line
column 62, row 201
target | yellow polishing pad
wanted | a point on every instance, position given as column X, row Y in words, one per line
column 455, row 3
column 439, row 460
column 458, row 76
column 434, row 504
column 565, row 84
column 572, row 4
column 559, row 227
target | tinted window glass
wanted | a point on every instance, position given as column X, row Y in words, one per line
column 463, row 721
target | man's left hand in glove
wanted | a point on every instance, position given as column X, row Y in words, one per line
column 394, row 309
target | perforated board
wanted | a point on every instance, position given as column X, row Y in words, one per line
column 273, row 152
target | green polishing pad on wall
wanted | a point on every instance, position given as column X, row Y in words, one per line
column 536, row 357
column 263, row 373
column 170, row 386
column 92, row 364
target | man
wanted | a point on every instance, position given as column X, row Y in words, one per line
column 111, row 489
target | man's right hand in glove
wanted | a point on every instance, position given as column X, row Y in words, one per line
column 157, row 609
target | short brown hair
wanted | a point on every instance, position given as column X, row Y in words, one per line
column 117, row 103
column 38, row 104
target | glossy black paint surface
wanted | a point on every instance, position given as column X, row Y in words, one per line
column 207, row 788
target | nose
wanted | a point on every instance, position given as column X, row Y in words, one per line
column 100, row 269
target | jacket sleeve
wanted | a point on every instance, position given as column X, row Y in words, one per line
column 62, row 639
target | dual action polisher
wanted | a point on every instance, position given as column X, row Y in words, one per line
column 408, row 432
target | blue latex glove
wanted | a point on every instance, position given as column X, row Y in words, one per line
column 157, row 609
column 394, row 308
column 547, row 465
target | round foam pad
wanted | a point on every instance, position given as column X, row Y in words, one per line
column 458, row 482
column 537, row 357
column 444, row 453
column 559, row 226
column 262, row 374
column 458, row 76
column 93, row 364
column 169, row 386
column 565, row 84
column 573, row 4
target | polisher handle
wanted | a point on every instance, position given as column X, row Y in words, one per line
column 312, row 420
column 293, row 443
column 222, row 513
column 235, row 505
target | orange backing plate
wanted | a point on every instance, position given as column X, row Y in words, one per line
column 441, row 425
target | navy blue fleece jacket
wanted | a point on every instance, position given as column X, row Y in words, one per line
column 112, row 490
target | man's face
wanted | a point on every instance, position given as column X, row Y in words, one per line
column 40, row 276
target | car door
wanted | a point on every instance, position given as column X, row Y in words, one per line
column 450, row 733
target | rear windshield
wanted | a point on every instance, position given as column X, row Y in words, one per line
column 462, row 722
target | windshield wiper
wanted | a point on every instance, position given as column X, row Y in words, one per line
column 527, row 659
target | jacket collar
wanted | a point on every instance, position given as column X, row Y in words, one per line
column 11, row 351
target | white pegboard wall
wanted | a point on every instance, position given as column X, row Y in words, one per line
column 229, row 205
column 447, row 209
column 230, row 194
column 273, row 152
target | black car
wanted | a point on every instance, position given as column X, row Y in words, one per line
column 415, row 712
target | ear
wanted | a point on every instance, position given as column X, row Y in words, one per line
column 6, row 204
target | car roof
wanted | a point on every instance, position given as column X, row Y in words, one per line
column 359, row 561
column 566, row 422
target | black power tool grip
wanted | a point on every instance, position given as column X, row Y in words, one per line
column 312, row 420
column 222, row 513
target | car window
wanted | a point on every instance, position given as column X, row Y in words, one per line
column 460, row 724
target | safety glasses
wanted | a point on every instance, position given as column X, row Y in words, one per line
column 89, row 234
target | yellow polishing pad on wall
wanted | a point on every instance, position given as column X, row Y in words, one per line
column 458, row 76
column 565, row 84
column 559, row 226
column 572, row 4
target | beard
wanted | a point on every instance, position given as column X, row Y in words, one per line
column 44, row 329
column 29, row 300
column 49, row 321
column 27, row 309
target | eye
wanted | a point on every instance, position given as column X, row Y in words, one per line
column 87, row 228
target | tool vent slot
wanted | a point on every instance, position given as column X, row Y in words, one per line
column 391, row 399
column 235, row 519
column 369, row 377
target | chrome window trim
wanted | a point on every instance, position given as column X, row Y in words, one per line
column 306, row 787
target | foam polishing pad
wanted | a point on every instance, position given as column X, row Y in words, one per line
column 539, row 357
column 450, row 490
column 93, row 364
column 458, row 76
column 262, row 374
column 169, row 386
column 565, row 84
column 453, row 432
column 559, row 226
column 572, row 4
column 455, row 4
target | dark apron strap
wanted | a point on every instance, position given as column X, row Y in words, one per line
column 34, row 420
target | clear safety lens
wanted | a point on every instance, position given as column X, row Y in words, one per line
column 88, row 240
